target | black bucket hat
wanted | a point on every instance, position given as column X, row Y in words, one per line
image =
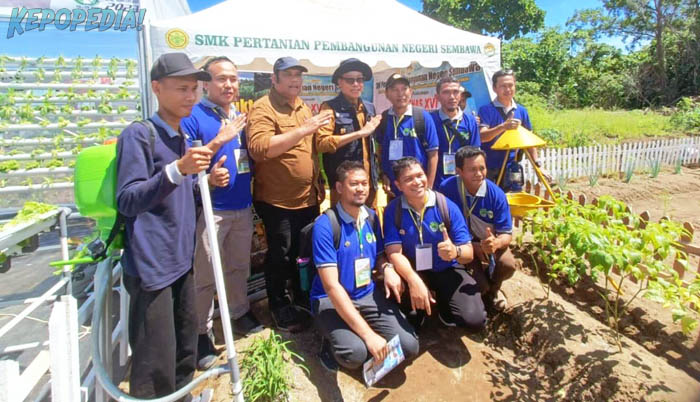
column 352, row 64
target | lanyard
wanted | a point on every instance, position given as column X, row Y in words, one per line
column 450, row 139
column 358, row 231
column 396, row 126
column 464, row 201
column 419, row 224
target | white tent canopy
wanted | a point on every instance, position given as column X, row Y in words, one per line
column 321, row 33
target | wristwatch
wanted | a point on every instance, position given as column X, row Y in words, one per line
column 459, row 251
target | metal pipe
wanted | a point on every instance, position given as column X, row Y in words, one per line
column 63, row 238
column 101, row 278
column 208, row 214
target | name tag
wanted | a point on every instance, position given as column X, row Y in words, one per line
column 448, row 164
column 242, row 161
column 395, row 150
column 363, row 272
column 424, row 257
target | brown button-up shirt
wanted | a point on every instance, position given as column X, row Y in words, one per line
column 290, row 180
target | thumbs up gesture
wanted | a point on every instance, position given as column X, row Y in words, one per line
column 219, row 175
column 446, row 249
column 490, row 243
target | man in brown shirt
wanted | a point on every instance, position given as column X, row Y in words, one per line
column 287, row 190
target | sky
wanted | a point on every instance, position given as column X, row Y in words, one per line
column 52, row 43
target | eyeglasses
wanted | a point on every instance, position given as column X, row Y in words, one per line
column 350, row 80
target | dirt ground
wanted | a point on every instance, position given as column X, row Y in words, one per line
column 539, row 349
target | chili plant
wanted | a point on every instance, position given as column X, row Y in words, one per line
column 575, row 241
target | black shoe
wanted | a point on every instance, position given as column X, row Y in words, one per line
column 416, row 318
column 326, row 357
column 206, row 352
column 288, row 318
column 446, row 322
column 246, row 325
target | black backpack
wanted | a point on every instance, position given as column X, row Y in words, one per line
column 418, row 124
column 440, row 201
column 306, row 242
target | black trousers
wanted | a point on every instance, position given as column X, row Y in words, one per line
column 282, row 231
column 457, row 295
column 162, row 335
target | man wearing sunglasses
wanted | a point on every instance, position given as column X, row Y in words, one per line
column 352, row 123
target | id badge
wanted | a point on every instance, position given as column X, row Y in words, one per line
column 363, row 272
column 242, row 162
column 424, row 257
column 448, row 164
column 395, row 150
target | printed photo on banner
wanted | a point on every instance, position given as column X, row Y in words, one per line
column 423, row 82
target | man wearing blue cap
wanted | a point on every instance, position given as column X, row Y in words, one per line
column 287, row 190
column 155, row 182
column 352, row 122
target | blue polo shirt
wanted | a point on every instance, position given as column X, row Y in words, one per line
column 204, row 124
column 491, row 117
column 407, row 234
column 489, row 207
column 325, row 254
column 404, row 130
column 452, row 135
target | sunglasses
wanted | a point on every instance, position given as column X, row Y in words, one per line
column 351, row 80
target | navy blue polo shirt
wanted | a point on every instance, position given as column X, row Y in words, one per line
column 325, row 254
column 159, row 214
column 204, row 124
column 403, row 129
column 452, row 135
column 491, row 117
column 407, row 235
column 489, row 207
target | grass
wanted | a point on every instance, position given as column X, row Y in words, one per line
column 582, row 127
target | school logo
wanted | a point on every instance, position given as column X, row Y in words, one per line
column 409, row 132
column 369, row 237
column 434, row 226
column 177, row 38
column 483, row 212
column 465, row 135
column 489, row 49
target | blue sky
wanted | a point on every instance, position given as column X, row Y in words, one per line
column 51, row 43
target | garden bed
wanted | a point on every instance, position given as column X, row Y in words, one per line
column 558, row 348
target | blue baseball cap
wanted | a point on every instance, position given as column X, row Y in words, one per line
column 285, row 63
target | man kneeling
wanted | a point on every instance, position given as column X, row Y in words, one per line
column 426, row 238
column 355, row 317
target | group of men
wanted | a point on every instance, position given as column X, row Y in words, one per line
column 443, row 246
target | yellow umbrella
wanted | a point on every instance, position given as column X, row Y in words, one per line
column 518, row 138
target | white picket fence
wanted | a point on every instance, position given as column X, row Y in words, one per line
column 571, row 163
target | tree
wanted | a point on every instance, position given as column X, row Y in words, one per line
column 506, row 19
column 640, row 21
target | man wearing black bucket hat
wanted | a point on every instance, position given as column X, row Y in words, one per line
column 155, row 183
column 352, row 123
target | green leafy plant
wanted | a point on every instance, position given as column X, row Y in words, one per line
column 654, row 168
column 8, row 166
column 629, row 171
column 29, row 212
column 574, row 241
column 265, row 369
column 593, row 176
column 678, row 165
